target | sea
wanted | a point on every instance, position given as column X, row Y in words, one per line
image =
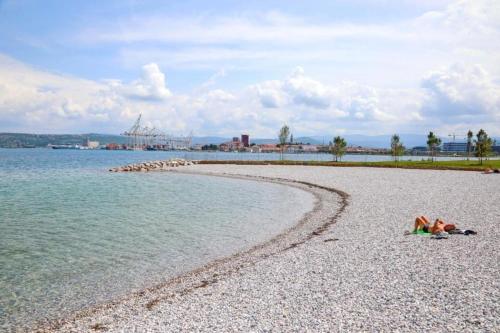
column 74, row 235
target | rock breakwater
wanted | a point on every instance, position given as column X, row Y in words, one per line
column 154, row 165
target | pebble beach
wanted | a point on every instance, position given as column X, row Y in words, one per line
column 346, row 266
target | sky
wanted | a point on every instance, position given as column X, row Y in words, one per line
column 221, row 68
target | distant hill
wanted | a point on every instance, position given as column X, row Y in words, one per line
column 20, row 140
column 206, row 140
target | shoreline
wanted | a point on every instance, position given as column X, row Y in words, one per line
column 313, row 223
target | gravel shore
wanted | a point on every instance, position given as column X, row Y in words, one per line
column 360, row 273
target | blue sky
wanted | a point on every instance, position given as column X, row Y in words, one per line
column 49, row 34
column 220, row 67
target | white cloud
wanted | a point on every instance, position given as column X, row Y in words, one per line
column 469, row 19
column 462, row 91
column 41, row 101
column 311, row 99
column 270, row 93
column 153, row 82
column 37, row 101
column 213, row 79
column 307, row 91
column 271, row 26
column 359, row 115
column 151, row 86
column 219, row 96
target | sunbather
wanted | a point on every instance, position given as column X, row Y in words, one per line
column 439, row 226
column 439, row 229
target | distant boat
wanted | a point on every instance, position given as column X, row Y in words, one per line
column 65, row 146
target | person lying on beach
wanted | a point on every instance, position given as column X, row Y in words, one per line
column 439, row 228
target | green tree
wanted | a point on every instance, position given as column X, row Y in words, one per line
column 483, row 145
column 338, row 148
column 470, row 135
column 397, row 148
column 283, row 138
column 433, row 142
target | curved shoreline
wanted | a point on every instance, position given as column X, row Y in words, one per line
column 312, row 224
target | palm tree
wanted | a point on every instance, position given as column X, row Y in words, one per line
column 483, row 145
column 338, row 147
column 433, row 142
column 283, row 138
column 397, row 148
column 470, row 135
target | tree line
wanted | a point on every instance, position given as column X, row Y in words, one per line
column 481, row 145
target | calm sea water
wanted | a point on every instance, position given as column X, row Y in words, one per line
column 73, row 235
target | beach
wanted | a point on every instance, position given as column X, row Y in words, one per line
column 346, row 266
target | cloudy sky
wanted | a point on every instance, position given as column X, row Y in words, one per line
column 224, row 67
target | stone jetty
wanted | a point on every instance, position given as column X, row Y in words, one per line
column 154, row 165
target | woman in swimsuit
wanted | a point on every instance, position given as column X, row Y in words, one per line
column 422, row 223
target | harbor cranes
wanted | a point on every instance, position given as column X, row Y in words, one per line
column 150, row 138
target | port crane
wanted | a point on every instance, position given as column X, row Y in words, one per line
column 150, row 138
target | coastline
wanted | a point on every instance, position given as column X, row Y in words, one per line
column 312, row 224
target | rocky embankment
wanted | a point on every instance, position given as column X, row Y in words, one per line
column 154, row 165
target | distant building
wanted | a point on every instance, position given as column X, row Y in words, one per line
column 420, row 149
column 234, row 145
column 245, row 139
column 91, row 144
column 113, row 146
column 236, row 139
column 455, row 147
column 254, row 149
column 309, row 148
column 269, row 148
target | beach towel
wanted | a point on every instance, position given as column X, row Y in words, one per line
column 421, row 233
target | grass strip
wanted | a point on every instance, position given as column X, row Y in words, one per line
column 436, row 165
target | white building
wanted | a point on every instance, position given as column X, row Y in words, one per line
column 91, row 144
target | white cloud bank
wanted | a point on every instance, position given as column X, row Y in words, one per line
column 453, row 98
column 462, row 91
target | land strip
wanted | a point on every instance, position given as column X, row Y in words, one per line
column 462, row 165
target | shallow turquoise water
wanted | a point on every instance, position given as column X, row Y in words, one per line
column 73, row 234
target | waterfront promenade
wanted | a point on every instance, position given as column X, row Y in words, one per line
column 361, row 274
